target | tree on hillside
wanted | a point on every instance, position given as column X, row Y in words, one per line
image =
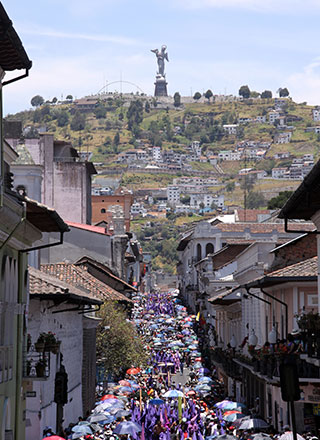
column 283, row 93
column 118, row 344
column 147, row 107
column 36, row 101
column 279, row 200
column 116, row 139
column 267, row 94
column 255, row 200
column 78, row 121
column 177, row 99
column 100, row 111
column 135, row 114
column 185, row 200
column 62, row 118
column 208, row 95
column 69, row 97
column 54, row 100
column 197, row 96
column 244, row 91
column 230, row 186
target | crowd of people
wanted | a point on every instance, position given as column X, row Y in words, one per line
column 177, row 396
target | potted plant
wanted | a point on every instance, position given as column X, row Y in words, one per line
column 50, row 341
column 40, row 344
column 41, row 367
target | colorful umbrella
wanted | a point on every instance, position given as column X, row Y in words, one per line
column 130, row 428
column 133, row 371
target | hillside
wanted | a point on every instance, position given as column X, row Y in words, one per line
column 113, row 124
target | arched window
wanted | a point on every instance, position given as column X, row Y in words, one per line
column 103, row 211
column 209, row 248
column 199, row 252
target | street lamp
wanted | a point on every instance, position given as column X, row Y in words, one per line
column 233, row 342
column 272, row 336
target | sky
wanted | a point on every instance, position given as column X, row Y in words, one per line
column 79, row 46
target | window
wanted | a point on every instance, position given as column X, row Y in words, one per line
column 103, row 211
column 199, row 252
column 209, row 248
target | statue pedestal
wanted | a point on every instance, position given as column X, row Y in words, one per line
column 160, row 87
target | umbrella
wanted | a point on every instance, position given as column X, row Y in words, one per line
column 233, row 417
column 289, row 436
column 83, row 429
column 124, row 383
column 122, row 413
column 228, row 404
column 191, row 393
column 127, row 428
column 108, row 396
column 255, row 423
column 133, row 371
column 173, row 393
column 261, row 436
column 205, row 379
column 204, row 387
column 101, row 417
column 54, row 437
column 156, row 402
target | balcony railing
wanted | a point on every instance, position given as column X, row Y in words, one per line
column 36, row 365
column 269, row 365
column 6, row 363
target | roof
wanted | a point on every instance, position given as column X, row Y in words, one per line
column 44, row 218
column 305, row 201
column 222, row 299
column 90, row 228
column 250, row 215
column 48, row 286
column 80, row 277
column 82, row 261
column 12, row 53
column 227, row 254
column 306, row 270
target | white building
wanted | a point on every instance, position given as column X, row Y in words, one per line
column 196, row 199
column 196, row 148
column 283, row 138
column 279, row 173
column 173, row 194
column 316, row 114
column 261, row 119
column 273, row 116
column 138, row 209
column 231, row 128
column 156, row 153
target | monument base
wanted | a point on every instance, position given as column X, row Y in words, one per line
column 160, row 87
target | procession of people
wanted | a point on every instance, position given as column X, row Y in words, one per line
column 177, row 396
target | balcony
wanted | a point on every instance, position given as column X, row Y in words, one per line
column 269, row 366
column 36, row 365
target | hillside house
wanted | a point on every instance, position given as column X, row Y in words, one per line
column 261, row 119
column 284, row 155
column 316, row 114
column 244, row 120
column 173, row 194
column 313, row 129
column 86, row 104
column 231, row 129
column 196, row 148
column 279, row 173
column 273, row 116
column 196, row 198
column 213, row 159
column 283, row 138
column 156, row 153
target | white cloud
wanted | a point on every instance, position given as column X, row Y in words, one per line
column 274, row 6
column 305, row 85
column 31, row 30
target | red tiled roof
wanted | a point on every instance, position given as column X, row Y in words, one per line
column 306, row 268
column 80, row 277
column 250, row 215
column 41, row 283
column 91, row 228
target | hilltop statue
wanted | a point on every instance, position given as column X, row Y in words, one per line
column 161, row 84
column 161, row 56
